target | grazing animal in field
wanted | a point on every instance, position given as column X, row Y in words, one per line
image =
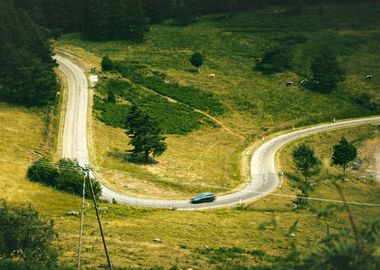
column 369, row 77
column 304, row 81
column 211, row 75
column 258, row 59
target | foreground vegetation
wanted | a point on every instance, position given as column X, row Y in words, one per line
column 253, row 234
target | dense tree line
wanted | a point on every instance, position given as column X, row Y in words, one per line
column 26, row 71
column 129, row 19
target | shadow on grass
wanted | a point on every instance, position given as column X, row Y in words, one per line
column 127, row 157
column 293, row 177
column 192, row 70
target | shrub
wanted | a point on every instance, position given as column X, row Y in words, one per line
column 365, row 100
column 197, row 60
column 43, row 171
column 107, row 64
column 67, row 176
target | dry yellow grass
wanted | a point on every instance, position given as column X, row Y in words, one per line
column 202, row 160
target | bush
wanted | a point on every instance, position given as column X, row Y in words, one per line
column 197, row 60
column 26, row 237
column 66, row 176
column 107, row 64
column 43, row 171
column 365, row 100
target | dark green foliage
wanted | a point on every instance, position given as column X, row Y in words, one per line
column 43, row 171
column 115, row 20
column 26, row 70
column 186, row 94
column 277, row 59
column 365, row 100
column 196, row 60
column 107, row 64
column 145, row 135
column 158, row 10
column 327, row 72
column 112, row 114
column 305, row 161
column 343, row 153
column 67, row 175
column 24, row 235
column 183, row 13
column 111, row 97
column 173, row 118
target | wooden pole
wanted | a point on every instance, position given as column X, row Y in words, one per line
column 99, row 222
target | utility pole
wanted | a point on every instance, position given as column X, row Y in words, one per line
column 98, row 217
column 81, row 221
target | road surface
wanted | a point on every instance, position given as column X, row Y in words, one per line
column 264, row 176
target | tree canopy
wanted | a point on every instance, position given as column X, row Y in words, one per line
column 145, row 134
column 343, row 153
column 26, row 71
column 305, row 160
column 197, row 59
column 24, row 235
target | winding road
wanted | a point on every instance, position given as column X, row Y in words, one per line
column 264, row 176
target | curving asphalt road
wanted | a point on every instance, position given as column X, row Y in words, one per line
column 264, row 176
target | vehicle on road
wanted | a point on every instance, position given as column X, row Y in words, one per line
column 203, row 197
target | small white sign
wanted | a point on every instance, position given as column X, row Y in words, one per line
column 94, row 78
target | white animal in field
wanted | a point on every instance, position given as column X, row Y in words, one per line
column 211, row 75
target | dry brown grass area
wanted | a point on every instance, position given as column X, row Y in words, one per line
column 183, row 168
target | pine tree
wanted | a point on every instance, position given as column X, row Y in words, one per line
column 343, row 153
column 136, row 23
column 145, row 135
column 26, row 72
column 197, row 60
column 305, row 160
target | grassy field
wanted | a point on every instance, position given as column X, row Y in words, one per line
column 209, row 156
column 255, row 104
column 250, row 235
